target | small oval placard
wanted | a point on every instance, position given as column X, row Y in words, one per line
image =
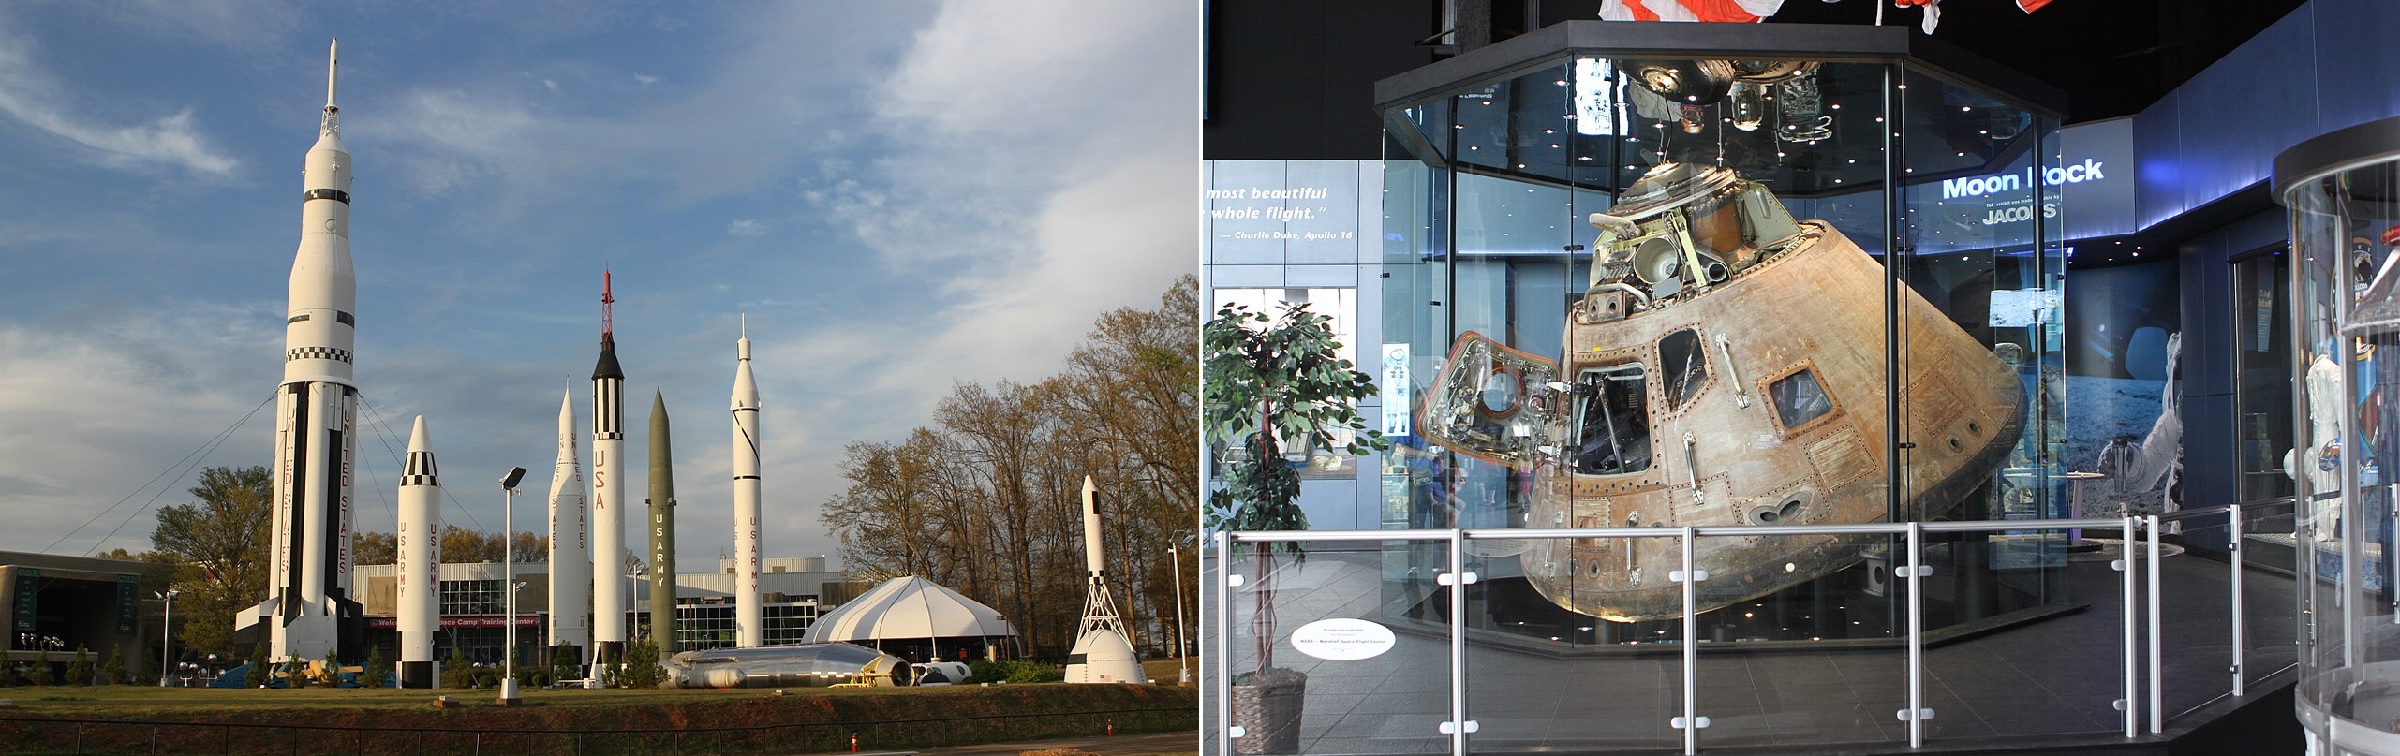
column 1343, row 639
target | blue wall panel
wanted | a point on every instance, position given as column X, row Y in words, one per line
column 2356, row 61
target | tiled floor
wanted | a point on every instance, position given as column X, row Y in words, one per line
column 2057, row 676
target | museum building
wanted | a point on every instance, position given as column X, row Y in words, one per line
column 1815, row 386
column 795, row 592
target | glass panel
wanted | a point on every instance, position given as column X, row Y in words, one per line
column 2263, row 364
column 2269, row 592
column 1317, row 667
column 1541, row 677
column 1815, row 663
column 2318, row 239
column 2195, row 620
column 2059, row 675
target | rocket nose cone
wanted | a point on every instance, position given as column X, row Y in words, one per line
column 1089, row 487
column 417, row 440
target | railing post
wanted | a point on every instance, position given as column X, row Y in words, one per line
column 2233, row 552
column 1691, row 646
column 1916, row 637
column 1224, row 644
column 2158, row 675
column 2125, row 615
column 1458, row 642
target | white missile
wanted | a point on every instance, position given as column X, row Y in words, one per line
column 608, row 495
column 1095, row 569
column 420, row 581
column 749, row 626
column 570, row 548
column 308, row 604
column 1101, row 654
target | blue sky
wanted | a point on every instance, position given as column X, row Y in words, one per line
column 899, row 194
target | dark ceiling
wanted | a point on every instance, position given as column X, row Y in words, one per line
column 2113, row 57
column 1292, row 79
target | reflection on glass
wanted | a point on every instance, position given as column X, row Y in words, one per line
column 1684, row 364
column 1798, row 399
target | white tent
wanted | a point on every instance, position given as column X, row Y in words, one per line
column 909, row 609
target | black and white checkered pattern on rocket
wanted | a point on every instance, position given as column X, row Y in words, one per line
column 420, row 470
column 318, row 353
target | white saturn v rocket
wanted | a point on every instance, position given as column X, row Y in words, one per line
column 570, row 552
column 308, row 602
column 608, row 491
column 420, row 581
column 1101, row 653
column 748, row 621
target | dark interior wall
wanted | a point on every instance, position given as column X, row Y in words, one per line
column 1294, row 79
column 2209, row 441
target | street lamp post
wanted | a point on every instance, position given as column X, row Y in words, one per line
column 166, row 635
column 508, row 557
column 1183, row 667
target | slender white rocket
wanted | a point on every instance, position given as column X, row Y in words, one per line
column 608, row 493
column 1101, row 653
column 749, row 627
column 308, row 606
column 570, row 547
column 420, row 580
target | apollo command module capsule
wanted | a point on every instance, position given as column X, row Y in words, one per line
column 1727, row 367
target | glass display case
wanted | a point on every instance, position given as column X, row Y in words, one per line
column 2343, row 190
column 1694, row 275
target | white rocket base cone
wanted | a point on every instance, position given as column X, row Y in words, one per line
column 1103, row 656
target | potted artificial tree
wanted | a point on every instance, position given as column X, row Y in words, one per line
column 1269, row 381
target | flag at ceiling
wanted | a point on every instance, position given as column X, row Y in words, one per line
column 1735, row 11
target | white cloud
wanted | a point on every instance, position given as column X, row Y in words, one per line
column 747, row 227
column 644, row 80
column 29, row 94
column 115, row 400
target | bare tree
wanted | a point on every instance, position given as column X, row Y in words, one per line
column 987, row 498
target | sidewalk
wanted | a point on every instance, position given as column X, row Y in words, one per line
column 1154, row 744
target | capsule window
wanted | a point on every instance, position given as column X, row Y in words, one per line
column 1612, row 421
column 1799, row 398
column 1683, row 364
column 300, row 318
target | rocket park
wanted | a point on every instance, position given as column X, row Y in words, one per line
column 889, row 663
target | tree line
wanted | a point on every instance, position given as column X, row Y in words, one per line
column 987, row 500
column 218, row 548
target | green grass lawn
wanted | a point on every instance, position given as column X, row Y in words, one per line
column 184, row 720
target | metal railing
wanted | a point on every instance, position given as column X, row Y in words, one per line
column 2140, row 631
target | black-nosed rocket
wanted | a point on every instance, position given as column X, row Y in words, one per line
column 609, row 590
column 420, row 579
column 308, row 605
column 749, row 626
